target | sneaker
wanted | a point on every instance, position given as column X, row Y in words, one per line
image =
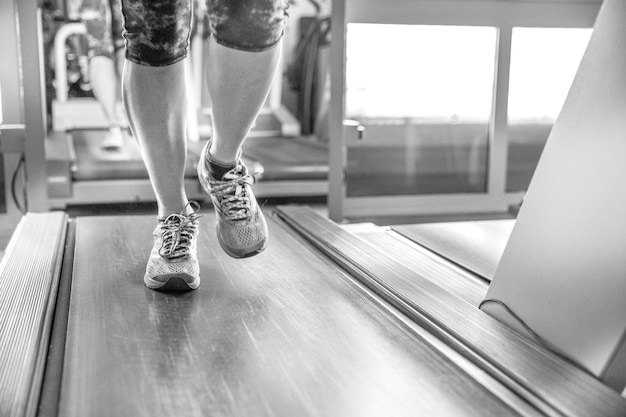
column 241, row 226
column 113, row 140
column 173, row 263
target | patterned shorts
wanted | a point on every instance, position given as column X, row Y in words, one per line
column 157, row 32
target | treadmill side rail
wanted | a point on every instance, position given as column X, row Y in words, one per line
column 29, row 276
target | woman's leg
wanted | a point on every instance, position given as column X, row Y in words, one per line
column 155, row 103
column 239, row 82
column 153, row 91
column 243, row 54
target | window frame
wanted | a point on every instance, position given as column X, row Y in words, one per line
column 504, row 16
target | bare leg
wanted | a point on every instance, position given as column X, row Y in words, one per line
column 155, row 103
column 238, row 84
column 156, row 106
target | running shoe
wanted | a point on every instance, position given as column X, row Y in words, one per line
column 241, row 226
column 113, row 140
column 173, row 263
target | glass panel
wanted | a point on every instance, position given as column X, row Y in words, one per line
column 424, row 95
column 543, row 64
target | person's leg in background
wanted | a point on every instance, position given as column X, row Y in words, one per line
column 117, row 29
column 103, row 71
column 243, row 54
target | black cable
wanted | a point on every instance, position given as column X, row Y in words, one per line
column 20, row 168
column 517, row 318
column 544, row 343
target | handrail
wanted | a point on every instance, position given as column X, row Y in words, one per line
column 60, row 67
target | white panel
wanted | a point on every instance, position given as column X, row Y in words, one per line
column 564, row 269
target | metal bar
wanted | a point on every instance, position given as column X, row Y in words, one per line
column 337, row 158
column 428, row 204
column 60, row 67
column 31, row 52
column 498, row 127
column 425, row 262
column 475, row 12
column 10, row 76
column 51, row 385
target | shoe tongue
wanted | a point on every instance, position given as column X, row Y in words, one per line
column 219, row 171
column 234, row 173
column 173, row 219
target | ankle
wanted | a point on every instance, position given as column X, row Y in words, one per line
column 165, row 210
column 217, row 168
column 224, row 153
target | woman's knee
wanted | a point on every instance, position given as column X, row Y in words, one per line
column 248, row 25
column 156, row 32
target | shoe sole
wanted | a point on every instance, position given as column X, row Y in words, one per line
column 248, row 253
column 172, row 282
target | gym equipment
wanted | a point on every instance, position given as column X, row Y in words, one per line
column 323, row 322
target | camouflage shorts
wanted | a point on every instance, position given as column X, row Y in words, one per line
column 157, row 32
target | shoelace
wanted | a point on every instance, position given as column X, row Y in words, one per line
column 178, row 231
column 231, row 193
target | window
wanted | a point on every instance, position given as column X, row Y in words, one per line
column 544, row 62
column 424, row 94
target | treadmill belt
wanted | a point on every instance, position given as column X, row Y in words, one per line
column 476, row 245
column 95, row 163
column 284, row 333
